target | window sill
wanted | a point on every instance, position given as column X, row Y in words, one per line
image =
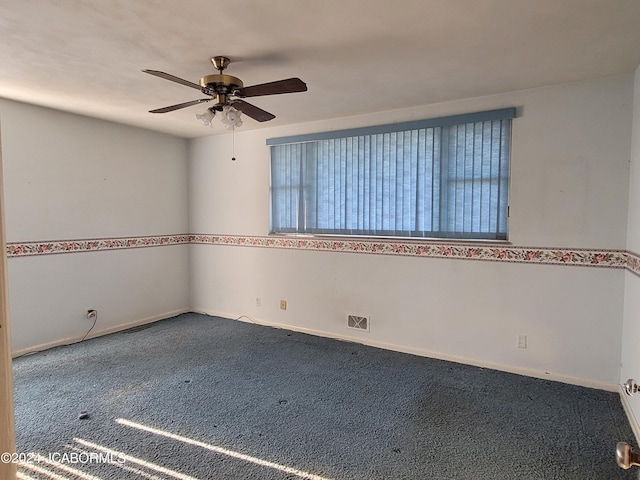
column 390, row 239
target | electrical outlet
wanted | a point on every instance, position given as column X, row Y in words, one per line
column 522, row 341
column 92, row 313
column 283, row 304
column 258, row 302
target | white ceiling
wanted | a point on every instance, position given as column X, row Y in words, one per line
column 356, row 56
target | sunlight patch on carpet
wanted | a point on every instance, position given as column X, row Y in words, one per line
column 135, row 460
column 223, row 451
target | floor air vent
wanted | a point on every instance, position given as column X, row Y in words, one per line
column 138, row 328
column 358, row 322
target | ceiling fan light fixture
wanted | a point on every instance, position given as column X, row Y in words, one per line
column 231, row 117
column 206, row 117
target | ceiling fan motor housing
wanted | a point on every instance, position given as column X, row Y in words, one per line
column 221, row 86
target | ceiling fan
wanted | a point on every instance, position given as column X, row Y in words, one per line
column 228, row 91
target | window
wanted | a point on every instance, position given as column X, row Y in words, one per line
column 446, row 178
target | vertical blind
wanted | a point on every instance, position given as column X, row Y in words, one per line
column 444, row 178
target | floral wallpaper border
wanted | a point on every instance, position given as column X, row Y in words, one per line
column 633, row 263
column 487, row 252
column 25, row 249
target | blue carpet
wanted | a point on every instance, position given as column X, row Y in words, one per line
column 197, row 397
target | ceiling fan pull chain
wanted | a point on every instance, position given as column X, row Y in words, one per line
column 233, row 143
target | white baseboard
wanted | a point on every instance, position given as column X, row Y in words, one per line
column 97, row 333
column 610, row 387
column 624, row 399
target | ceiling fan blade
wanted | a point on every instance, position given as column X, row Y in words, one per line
column 289, row 85
column 180, row 105
column 252, row 111
column 173, row 78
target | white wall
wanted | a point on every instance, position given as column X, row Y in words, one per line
column 569, row 189
column 631, row 331
column 69, row 177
